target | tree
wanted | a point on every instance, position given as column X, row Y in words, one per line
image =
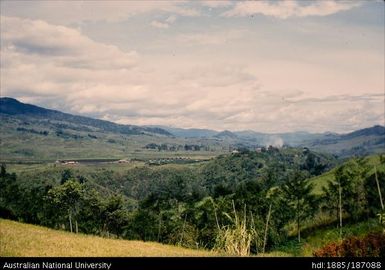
column 374, row 185
column 66, row 175
column 330, row 198
column 204, row 215
column 3, row 171
column 298, row 194
column 9, row 194
column 114, row 215
column 90, row 216
column 349, row 179
column 346, row 193
column 68, row 197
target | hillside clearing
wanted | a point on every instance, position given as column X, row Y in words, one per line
column 18, row 239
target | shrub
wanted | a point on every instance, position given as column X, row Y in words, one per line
column 371, row 245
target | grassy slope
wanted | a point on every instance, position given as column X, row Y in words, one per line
column 321, row 180
column 18, row 239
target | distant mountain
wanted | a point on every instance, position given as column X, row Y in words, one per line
column 31, row 131
column 188, row 132
column 266, row 139
column 372, row 131
column 361, row 142
column 358, row 143
column 10, row 106
column 226, row 135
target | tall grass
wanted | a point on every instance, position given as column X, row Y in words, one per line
column 235, row 239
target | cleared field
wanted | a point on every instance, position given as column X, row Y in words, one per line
column 19, row 239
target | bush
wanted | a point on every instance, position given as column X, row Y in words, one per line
column 371, row 245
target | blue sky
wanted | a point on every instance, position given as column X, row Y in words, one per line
column 268, row 66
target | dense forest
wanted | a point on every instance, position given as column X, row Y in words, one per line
column 242, row 203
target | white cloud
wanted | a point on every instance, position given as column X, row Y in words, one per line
column 207, row 38
column 164, row 25
column 65, row 46
column 221, row 77
column 41, row 59
column 286, row 9
column 182, row 11
column 171, row 19
column 70, row 12
column 216, row 3
column 158, row 24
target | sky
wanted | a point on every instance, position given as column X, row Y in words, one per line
column 267, row 66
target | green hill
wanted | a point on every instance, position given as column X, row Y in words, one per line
column 321, row 180
column 19, row 239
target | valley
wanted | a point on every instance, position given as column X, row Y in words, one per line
column 34, row 134
column 204, row 190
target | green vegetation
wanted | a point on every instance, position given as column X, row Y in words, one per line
column 246, row 203
column 300, row 198
column 315, row 239
column 321, row 181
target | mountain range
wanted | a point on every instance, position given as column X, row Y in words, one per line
column 12, row 106
column 55, row 127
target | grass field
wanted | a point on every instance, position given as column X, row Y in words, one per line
column 24, row 240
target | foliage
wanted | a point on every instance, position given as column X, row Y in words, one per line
column 348, row 181
column 189, row 205
column 9, row 192
column 373, row 204
column 298, row 193
column 68, row 198
column 372, row 245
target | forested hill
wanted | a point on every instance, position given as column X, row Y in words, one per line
column 10, row 106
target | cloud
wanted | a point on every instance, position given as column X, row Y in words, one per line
column 164, row 25
column 60, row 67
column 182, row 11
column 216, row 4
column 158, row 24
column 67, row 13
column 65, row 46
column 171, row 19
column 338, row 98
column 207, row 38
column 41, row 60
column 287, row 9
